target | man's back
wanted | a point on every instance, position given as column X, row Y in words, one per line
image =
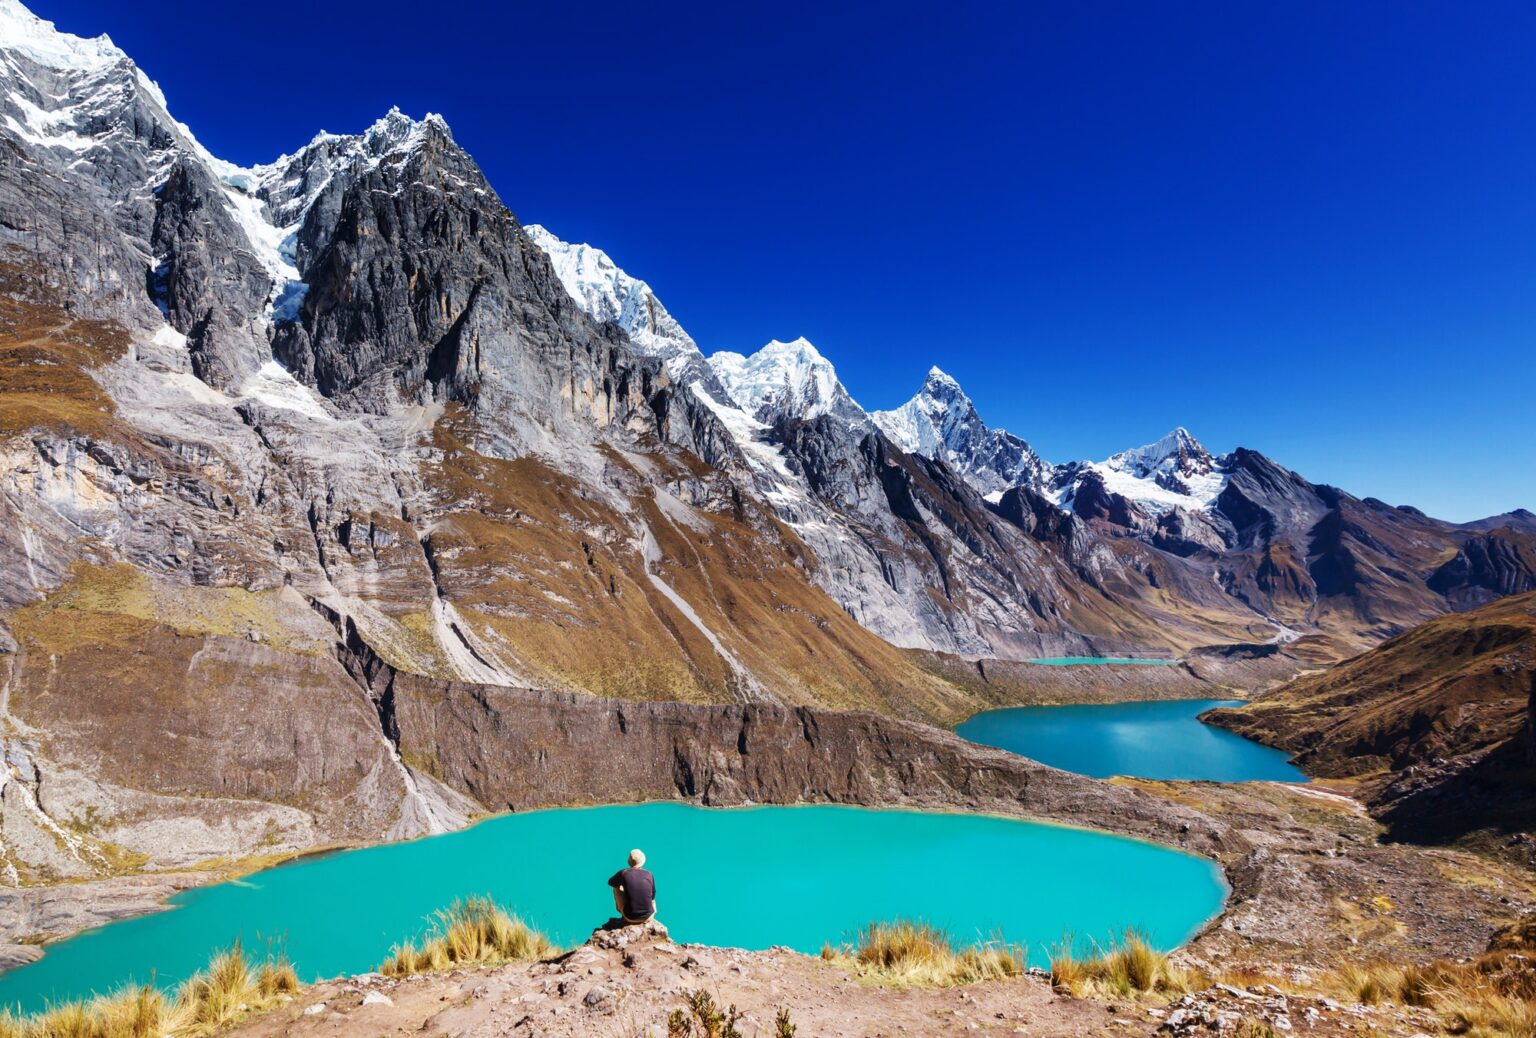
column 638, row 890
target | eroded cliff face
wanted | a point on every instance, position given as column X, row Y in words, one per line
column 518, row 749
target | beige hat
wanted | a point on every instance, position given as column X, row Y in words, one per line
column 636, row 858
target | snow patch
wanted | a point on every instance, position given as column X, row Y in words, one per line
column 605, row 291
column 784, row 379
column 779, row 483
column 169, row 338
column 275, row 387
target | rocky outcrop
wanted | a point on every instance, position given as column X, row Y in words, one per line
column 211, row 286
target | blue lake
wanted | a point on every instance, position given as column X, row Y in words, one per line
column 1161, row 740
column 824, row 872
column 1089, row 661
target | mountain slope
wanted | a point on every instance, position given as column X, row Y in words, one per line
column 608, row 294
column 1437, row 723
column 259, row 424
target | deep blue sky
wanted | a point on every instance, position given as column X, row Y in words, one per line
column 1308, row 228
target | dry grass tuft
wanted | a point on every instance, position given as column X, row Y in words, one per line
column 1125, row 969
column 210, row 1001
column 1487, row 1014
column 915, row 953
column 1492, row 996
column 473, row 931
column 1368, row 984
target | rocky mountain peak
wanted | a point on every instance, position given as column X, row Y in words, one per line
column 77, row 97
column 938, row 384
column 1177, row 453
column 395, row 128
column 1175, row 472
column 941, row 422
column 24, row 32
column 785, row 380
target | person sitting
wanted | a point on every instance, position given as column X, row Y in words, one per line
column 634, row 891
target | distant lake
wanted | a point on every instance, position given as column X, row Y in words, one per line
column 751, row 878
column 1161, row 740
column 1087, row 661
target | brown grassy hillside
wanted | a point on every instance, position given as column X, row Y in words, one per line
column 1435, row 723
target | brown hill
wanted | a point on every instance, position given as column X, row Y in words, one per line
column 1436, row 724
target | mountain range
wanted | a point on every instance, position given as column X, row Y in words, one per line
column 269, row 433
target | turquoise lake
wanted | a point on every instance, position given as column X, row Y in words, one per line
column 1088, row 661
column 1160, row 740
column 750, row 877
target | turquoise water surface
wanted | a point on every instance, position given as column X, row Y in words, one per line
column 1084, row 661
column 1162, row 740
column 751, row 877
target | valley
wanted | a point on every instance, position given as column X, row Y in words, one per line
column 363, row 548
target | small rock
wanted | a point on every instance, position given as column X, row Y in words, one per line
column 377, row 998
column 1237, row 992
column 1176, row 1019
column 314, row 1010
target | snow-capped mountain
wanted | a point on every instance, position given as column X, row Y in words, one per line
column 334, row 447
column 1174, row 472
column 785, row 380
column 606, row 292
column 941, row 422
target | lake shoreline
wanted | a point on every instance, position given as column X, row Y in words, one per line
column 1158, row 739
column 1332, row 842
column 342, row 913
column 870, row 761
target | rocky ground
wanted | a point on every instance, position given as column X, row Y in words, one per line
column 627, row 984
column 1313, row 885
